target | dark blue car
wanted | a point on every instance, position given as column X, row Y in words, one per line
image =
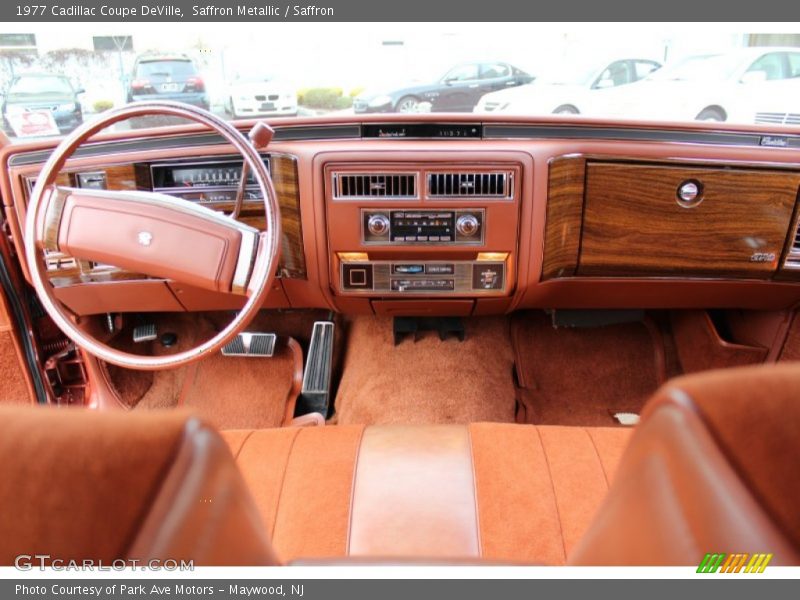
column 167, row 77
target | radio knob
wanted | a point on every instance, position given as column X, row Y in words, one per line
column 467, row 225
column 378, row 225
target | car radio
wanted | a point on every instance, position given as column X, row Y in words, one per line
column 414, row 226
column 458, row 278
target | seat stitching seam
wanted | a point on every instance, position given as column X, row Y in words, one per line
column 244, row 442
column 475, row 492
column 353, row 490
column 597, row 454
column 555, row 497
column 283, row 481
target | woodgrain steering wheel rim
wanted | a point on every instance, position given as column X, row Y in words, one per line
column 266, row 248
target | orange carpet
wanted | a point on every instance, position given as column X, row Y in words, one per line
column 428, row 381
column 229, row 392
column 579, row 377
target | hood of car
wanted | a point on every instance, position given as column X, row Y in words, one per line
column 532, row 96
column 658, row 87
column 39, row 99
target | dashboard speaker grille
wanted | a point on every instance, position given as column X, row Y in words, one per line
column 487, row 184
column 375, row 185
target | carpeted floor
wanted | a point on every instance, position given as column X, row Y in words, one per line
column 13, row 389
column 581, row 376
column 428, row 381
column 563, row 376
column 231, row 393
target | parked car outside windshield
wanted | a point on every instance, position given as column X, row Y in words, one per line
column 458, row 90
column 710, row 87
column 568, row 88
column 260, row 96
column 167, row 78
column 43, row 92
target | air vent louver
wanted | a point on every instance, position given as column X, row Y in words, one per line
column 375, row 185
column 495, row 184
column 793, row 258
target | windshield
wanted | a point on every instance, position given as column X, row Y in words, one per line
column 277, row 70
column 40, row 86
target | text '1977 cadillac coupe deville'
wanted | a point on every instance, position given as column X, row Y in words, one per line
column 400, row 339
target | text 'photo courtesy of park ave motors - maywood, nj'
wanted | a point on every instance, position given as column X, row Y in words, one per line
column 169, row 10
column 159, row 590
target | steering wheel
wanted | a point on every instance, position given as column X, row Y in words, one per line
column 154, row 234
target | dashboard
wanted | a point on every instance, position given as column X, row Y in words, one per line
column 420, row 216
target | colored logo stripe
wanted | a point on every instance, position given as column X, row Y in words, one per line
column 710, row 563
column 734, row 563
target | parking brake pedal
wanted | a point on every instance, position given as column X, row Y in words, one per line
column 146, row 332
column 250, row 344
column 316, row 391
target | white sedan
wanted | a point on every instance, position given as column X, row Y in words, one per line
column 715, row 87
column 568, row 89
column 777, row 102
column 260, row 97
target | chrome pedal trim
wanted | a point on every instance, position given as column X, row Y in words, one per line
column 251, row 344
column 315, row 393
column 145, row 333
column 628, row 419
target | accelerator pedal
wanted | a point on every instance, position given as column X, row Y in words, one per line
column 316, row 391
column 251, row 344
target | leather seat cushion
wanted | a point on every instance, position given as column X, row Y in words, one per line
column 91, row 476
column 504, row 492
column 111, row 485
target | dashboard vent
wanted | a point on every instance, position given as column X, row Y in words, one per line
column 375, row 185
column 793, row 258
column 493, row 184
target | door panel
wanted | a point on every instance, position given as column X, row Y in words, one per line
column 14, row 386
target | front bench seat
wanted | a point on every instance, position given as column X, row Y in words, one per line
column 504, row 492
column 76, row 484
column 711, row 468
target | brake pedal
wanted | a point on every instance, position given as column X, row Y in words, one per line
column 251, row 344
column 316, row 390
column 145, row 333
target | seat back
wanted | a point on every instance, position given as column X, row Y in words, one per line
column 119, row 485
column 713, row 467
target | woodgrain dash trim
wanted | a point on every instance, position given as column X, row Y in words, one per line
column 283, row 168
column 562, row 236
column 633, row 224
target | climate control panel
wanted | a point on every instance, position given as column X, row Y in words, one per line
column 455, row 278
column 415, row 226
